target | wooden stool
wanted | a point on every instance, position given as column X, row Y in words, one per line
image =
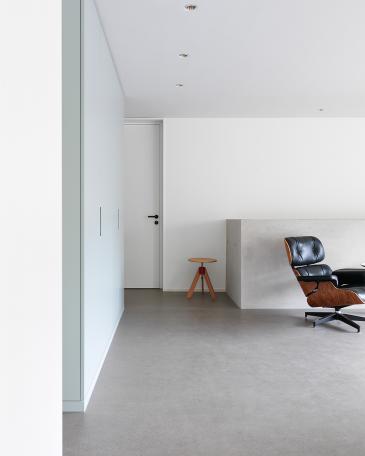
column 203, row 273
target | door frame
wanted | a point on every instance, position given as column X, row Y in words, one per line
column 160, row 123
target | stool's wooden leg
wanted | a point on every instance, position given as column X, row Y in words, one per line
column 193, row 285
column 210, row 286
column 202, row 272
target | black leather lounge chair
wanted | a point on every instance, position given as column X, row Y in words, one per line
column 322, row 286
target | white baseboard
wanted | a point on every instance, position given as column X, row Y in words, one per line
column 185, row 290
column 73, row 406
column 88, row 394
column 81, row 406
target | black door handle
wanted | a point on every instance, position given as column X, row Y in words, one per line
column 153, row 216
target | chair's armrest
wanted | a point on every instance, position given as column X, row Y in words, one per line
column 350, row 277
column 331, row 278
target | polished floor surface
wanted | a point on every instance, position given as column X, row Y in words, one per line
column 206, row 379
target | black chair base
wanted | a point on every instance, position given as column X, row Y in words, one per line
column 326, row 317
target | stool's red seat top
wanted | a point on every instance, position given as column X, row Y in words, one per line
column 202, row 260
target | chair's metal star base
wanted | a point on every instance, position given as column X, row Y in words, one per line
column 326, row 317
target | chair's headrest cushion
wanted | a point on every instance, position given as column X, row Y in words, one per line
column 304, row 250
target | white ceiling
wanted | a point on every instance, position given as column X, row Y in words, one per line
column 246, row 57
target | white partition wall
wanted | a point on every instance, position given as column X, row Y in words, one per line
column 258, row 272
column 102, row 198
column 93, row 224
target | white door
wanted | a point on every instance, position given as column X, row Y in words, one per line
column 142, row 205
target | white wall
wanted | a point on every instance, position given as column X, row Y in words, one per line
column 30, row 242
column 217, row 169
column 102, row 187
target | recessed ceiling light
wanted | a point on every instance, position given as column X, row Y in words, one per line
column 190, row 7
column 179, row 85
column 183, row 55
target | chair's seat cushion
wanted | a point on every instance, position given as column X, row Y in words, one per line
column 350, row 277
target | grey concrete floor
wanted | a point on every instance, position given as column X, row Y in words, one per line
column 199, row 378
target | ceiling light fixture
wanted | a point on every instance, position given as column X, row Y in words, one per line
column 183, row 55
column 179, row 85
column 190, row 7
